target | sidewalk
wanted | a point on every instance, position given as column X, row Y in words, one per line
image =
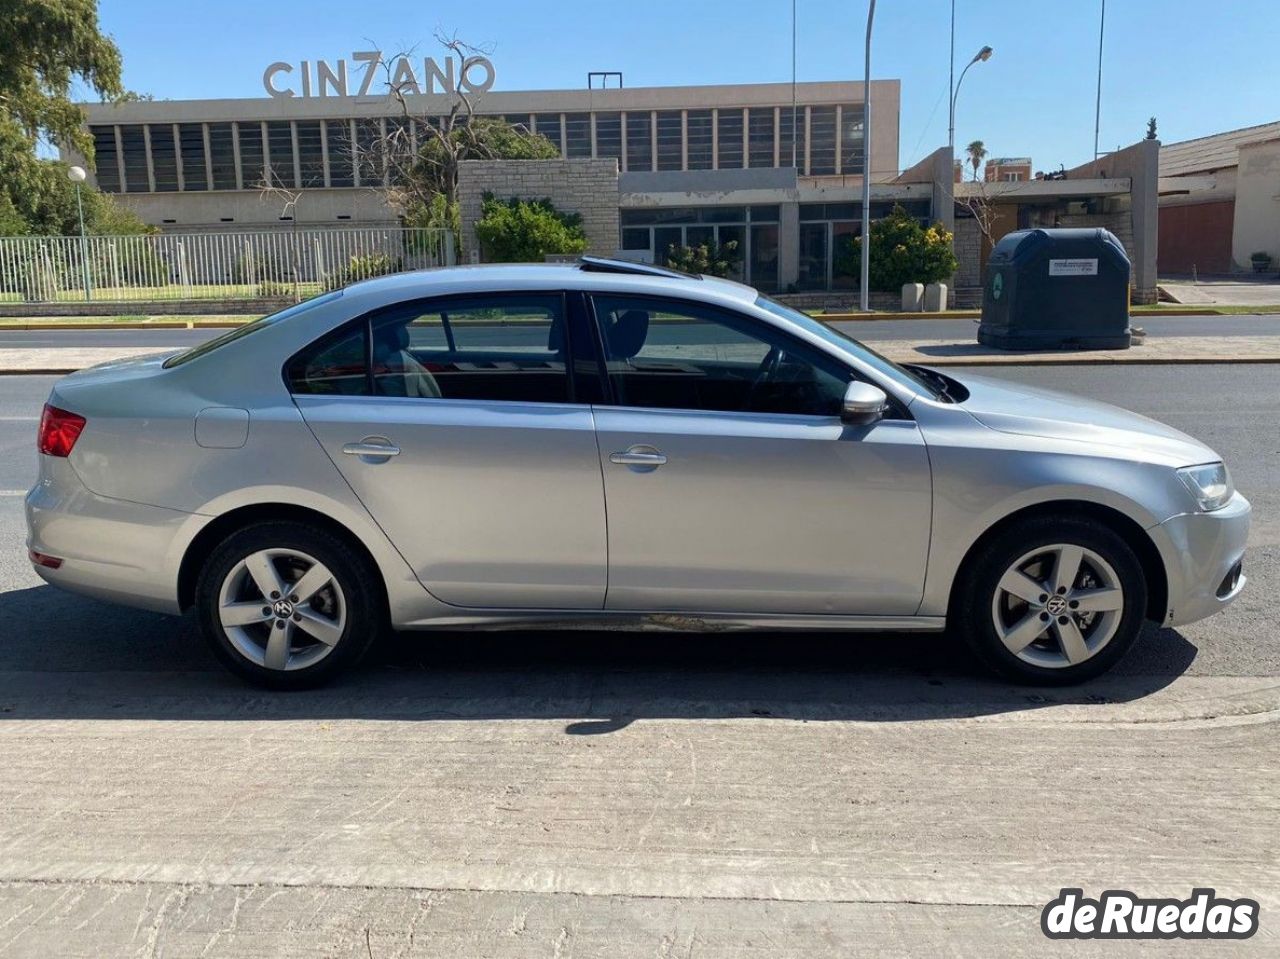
column 1156, row 350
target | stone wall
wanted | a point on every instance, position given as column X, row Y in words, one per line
column 586, row 187
column 968, row 249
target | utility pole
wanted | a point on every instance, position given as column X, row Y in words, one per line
column 1097, row 109
column 864, row 294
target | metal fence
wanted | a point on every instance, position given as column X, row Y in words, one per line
column 292, row 263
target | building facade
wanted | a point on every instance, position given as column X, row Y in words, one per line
column 718, row 163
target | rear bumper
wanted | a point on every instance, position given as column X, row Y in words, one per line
column 110, row 549
column 1203, row 553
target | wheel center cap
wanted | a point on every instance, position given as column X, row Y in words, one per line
column 1056, row 606
column 282, row 608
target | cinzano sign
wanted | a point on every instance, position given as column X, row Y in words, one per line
column 367, row 74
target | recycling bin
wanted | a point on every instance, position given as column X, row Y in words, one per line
column 1056, row 289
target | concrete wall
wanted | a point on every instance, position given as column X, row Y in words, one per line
column 251, row 210
column 1257, row 220
column 1140, row 163
column 586, row 187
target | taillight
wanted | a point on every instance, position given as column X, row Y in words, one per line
column 59, row 431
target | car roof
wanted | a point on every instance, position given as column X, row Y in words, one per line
column 591, row 274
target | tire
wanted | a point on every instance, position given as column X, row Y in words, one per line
column 276, row 637
column 1087, row 626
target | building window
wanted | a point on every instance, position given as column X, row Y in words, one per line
column 1012, row 177
column 337, row 135
column 699, row 139
column 639, row 142
column 791, row 124
column 195, row 166
column 251, row 161
column 222, row 156
column 760, row 138
column 609, row 135
column 522, row 121
column 280, row 154
column 134, row 149
column 577, row 134
column 670, row 141
column 851, row 138
column 822, row 141
column 369, row 165
column 729, row 135
column 310, row 155
column 104, row 158
column 548, row 125
column 164, row 157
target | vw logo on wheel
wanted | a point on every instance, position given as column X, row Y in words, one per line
column 282, row 608
column 1056, row 606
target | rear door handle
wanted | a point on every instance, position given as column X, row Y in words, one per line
column 363, row 449
column 642, row 458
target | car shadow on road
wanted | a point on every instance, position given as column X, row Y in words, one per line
column 63, row 656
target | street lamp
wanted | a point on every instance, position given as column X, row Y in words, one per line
column 864, row 295
column 77, row 176
column 982, row 55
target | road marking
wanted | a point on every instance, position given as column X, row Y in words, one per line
column 13, row 492
column 19, row 419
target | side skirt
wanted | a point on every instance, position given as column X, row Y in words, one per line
column 681, row 622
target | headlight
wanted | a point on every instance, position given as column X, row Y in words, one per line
column 1209, row 483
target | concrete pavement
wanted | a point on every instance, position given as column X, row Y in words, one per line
column 593, row 794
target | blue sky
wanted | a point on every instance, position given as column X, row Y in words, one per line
column 1200, row 68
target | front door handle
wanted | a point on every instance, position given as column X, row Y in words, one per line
column 366, row 449
column 639, row 458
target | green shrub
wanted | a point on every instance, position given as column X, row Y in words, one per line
column 527, row 231
column 362, row 268
column 902, row 251
column 705, row 259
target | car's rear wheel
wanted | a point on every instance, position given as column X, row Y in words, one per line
column 1051, row 601
column 287, row 606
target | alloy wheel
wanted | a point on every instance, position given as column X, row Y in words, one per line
column 282, row 609
column 1057, row 606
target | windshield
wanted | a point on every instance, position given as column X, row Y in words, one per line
column 899, row 374
column 186, row 356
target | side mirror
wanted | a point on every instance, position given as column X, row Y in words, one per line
column 863, row 404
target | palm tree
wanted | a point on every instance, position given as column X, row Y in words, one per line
column 977, row 153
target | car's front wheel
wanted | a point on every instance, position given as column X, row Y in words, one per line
column 1051, row 601
column 287, row 606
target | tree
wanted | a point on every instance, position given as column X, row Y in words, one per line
column 902, row 251
column 47, row 46
column 1151, row 129
column 424, row 182
column 526, row 231
column 977, row 151
column 705, row 259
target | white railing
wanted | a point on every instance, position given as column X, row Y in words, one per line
column 289, row 263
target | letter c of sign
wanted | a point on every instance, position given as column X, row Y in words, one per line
column 268, row 75
column 464, row 80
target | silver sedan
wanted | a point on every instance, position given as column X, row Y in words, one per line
column 607, row 444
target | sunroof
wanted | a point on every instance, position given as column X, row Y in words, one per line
column 602, row 264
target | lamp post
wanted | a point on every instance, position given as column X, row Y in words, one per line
column 983, row 56
column 864, row 295
column 77, row 176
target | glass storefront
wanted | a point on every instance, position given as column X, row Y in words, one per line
column 754, row 230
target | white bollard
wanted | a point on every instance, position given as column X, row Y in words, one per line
column 912, row 297
column 935, row 297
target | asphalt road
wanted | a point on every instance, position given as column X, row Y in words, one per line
column 590, row 794
column 963, row 329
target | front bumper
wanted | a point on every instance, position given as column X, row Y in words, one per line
column 110, row 549
column 1202, row 555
